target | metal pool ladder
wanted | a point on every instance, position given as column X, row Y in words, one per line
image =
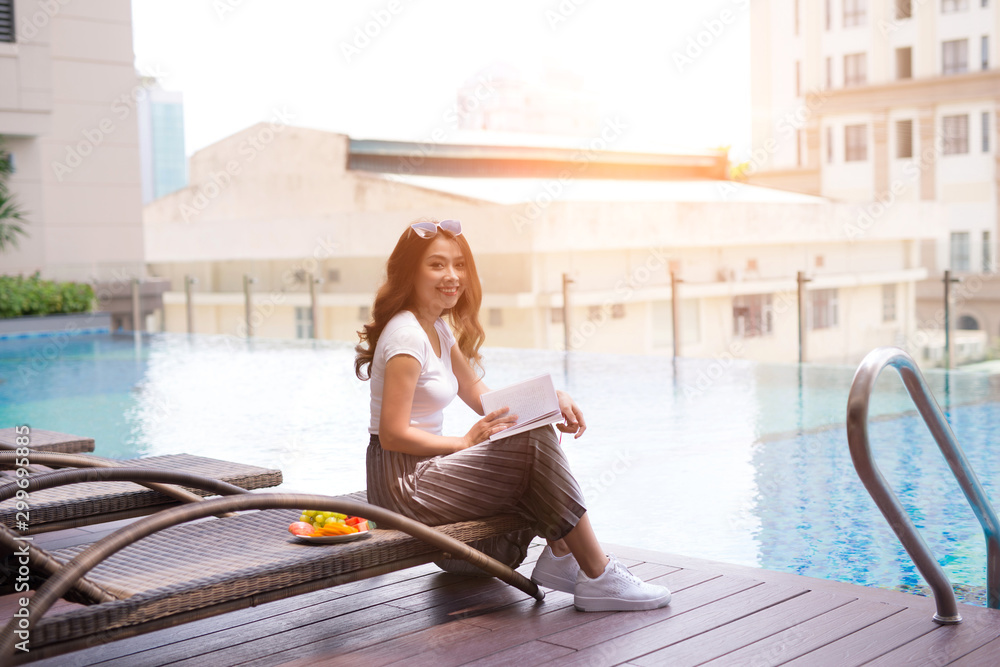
column 857, row 438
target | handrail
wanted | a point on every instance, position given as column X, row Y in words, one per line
column 857, row 437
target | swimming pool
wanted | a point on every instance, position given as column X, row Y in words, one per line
column 716, row 458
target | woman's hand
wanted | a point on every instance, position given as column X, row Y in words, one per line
column 572, row 414
column 492, row 423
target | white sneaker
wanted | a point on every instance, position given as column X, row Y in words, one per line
column 617, row 589
column 556, row 572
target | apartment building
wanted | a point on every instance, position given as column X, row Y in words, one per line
column 888, row 102
column 284, row 206
column 68, row 96
column 161, row 141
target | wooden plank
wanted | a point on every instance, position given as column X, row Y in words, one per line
column 870, row 642
column 422, row 616
column 460, row 593
column 233, row 628
column 299, row 641
column 521, row 626
column 805, row 637
column 678, row 627
column 457, row 598
column 422, row 625
column 529, row 653
column 424, row 647
column 502, row 619
column 942, row 645
column 988, row 654
column 338, row 649
column 747, row 630
column 603, row 629
column 851, row 590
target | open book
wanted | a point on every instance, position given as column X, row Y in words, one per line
column 534, row 402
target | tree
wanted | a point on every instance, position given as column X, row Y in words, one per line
column 12, row 218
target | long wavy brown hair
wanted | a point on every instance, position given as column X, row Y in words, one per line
column 396, row 294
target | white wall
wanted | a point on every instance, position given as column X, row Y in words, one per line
column 78, row 159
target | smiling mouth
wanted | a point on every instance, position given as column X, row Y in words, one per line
column 449, row 291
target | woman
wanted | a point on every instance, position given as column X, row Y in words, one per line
column 417, row 366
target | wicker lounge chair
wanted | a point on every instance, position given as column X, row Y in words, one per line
column 60, row 508
column 161, row 571
column 47, row 441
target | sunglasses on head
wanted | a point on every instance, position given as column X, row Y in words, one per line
column 428, row 230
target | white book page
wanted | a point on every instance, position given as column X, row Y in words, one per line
column 532, row 400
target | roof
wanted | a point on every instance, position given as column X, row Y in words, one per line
column 523, row 190
column 601, row 159
column 463, row 143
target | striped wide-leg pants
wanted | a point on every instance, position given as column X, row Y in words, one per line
column 526, row 474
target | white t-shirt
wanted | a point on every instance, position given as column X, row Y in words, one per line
column 437, row 385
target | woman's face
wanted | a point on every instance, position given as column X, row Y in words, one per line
column 440, row 278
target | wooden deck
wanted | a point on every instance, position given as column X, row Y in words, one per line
column 721, row 614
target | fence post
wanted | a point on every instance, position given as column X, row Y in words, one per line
column 247, row 281
column 566, row 280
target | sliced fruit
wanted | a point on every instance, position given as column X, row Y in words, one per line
column 301, row 528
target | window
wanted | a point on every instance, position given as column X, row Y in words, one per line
column 798, row 79
column 601, row 313
column 967, row 323
column 496, row 317
column 333, row 276
column 904, row 62
column 855, row 70
column 951, row 6
column 888, row 303
column 303, row 322
column 556, row 316
column 986, row 131
column 796, row 3
column 984, row 52
column 819, row 261
column 802, row 146
column 7, row 20
column 904, row 139
column 955, row 56
column 823, row 308
column 829, row 145
column 855, row 12
column 829, row 14
column 987, row 253
column 829, row 72
column 364, row 313
column 753, row 315
column 955, row 131
column 855, row 143
column 662, row 321
column 960, row 251
column 904, row 10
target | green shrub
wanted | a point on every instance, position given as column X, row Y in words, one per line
column 20, row 296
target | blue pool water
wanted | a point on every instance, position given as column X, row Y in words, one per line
column 722, row 459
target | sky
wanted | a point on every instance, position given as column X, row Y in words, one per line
column 675, row 75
